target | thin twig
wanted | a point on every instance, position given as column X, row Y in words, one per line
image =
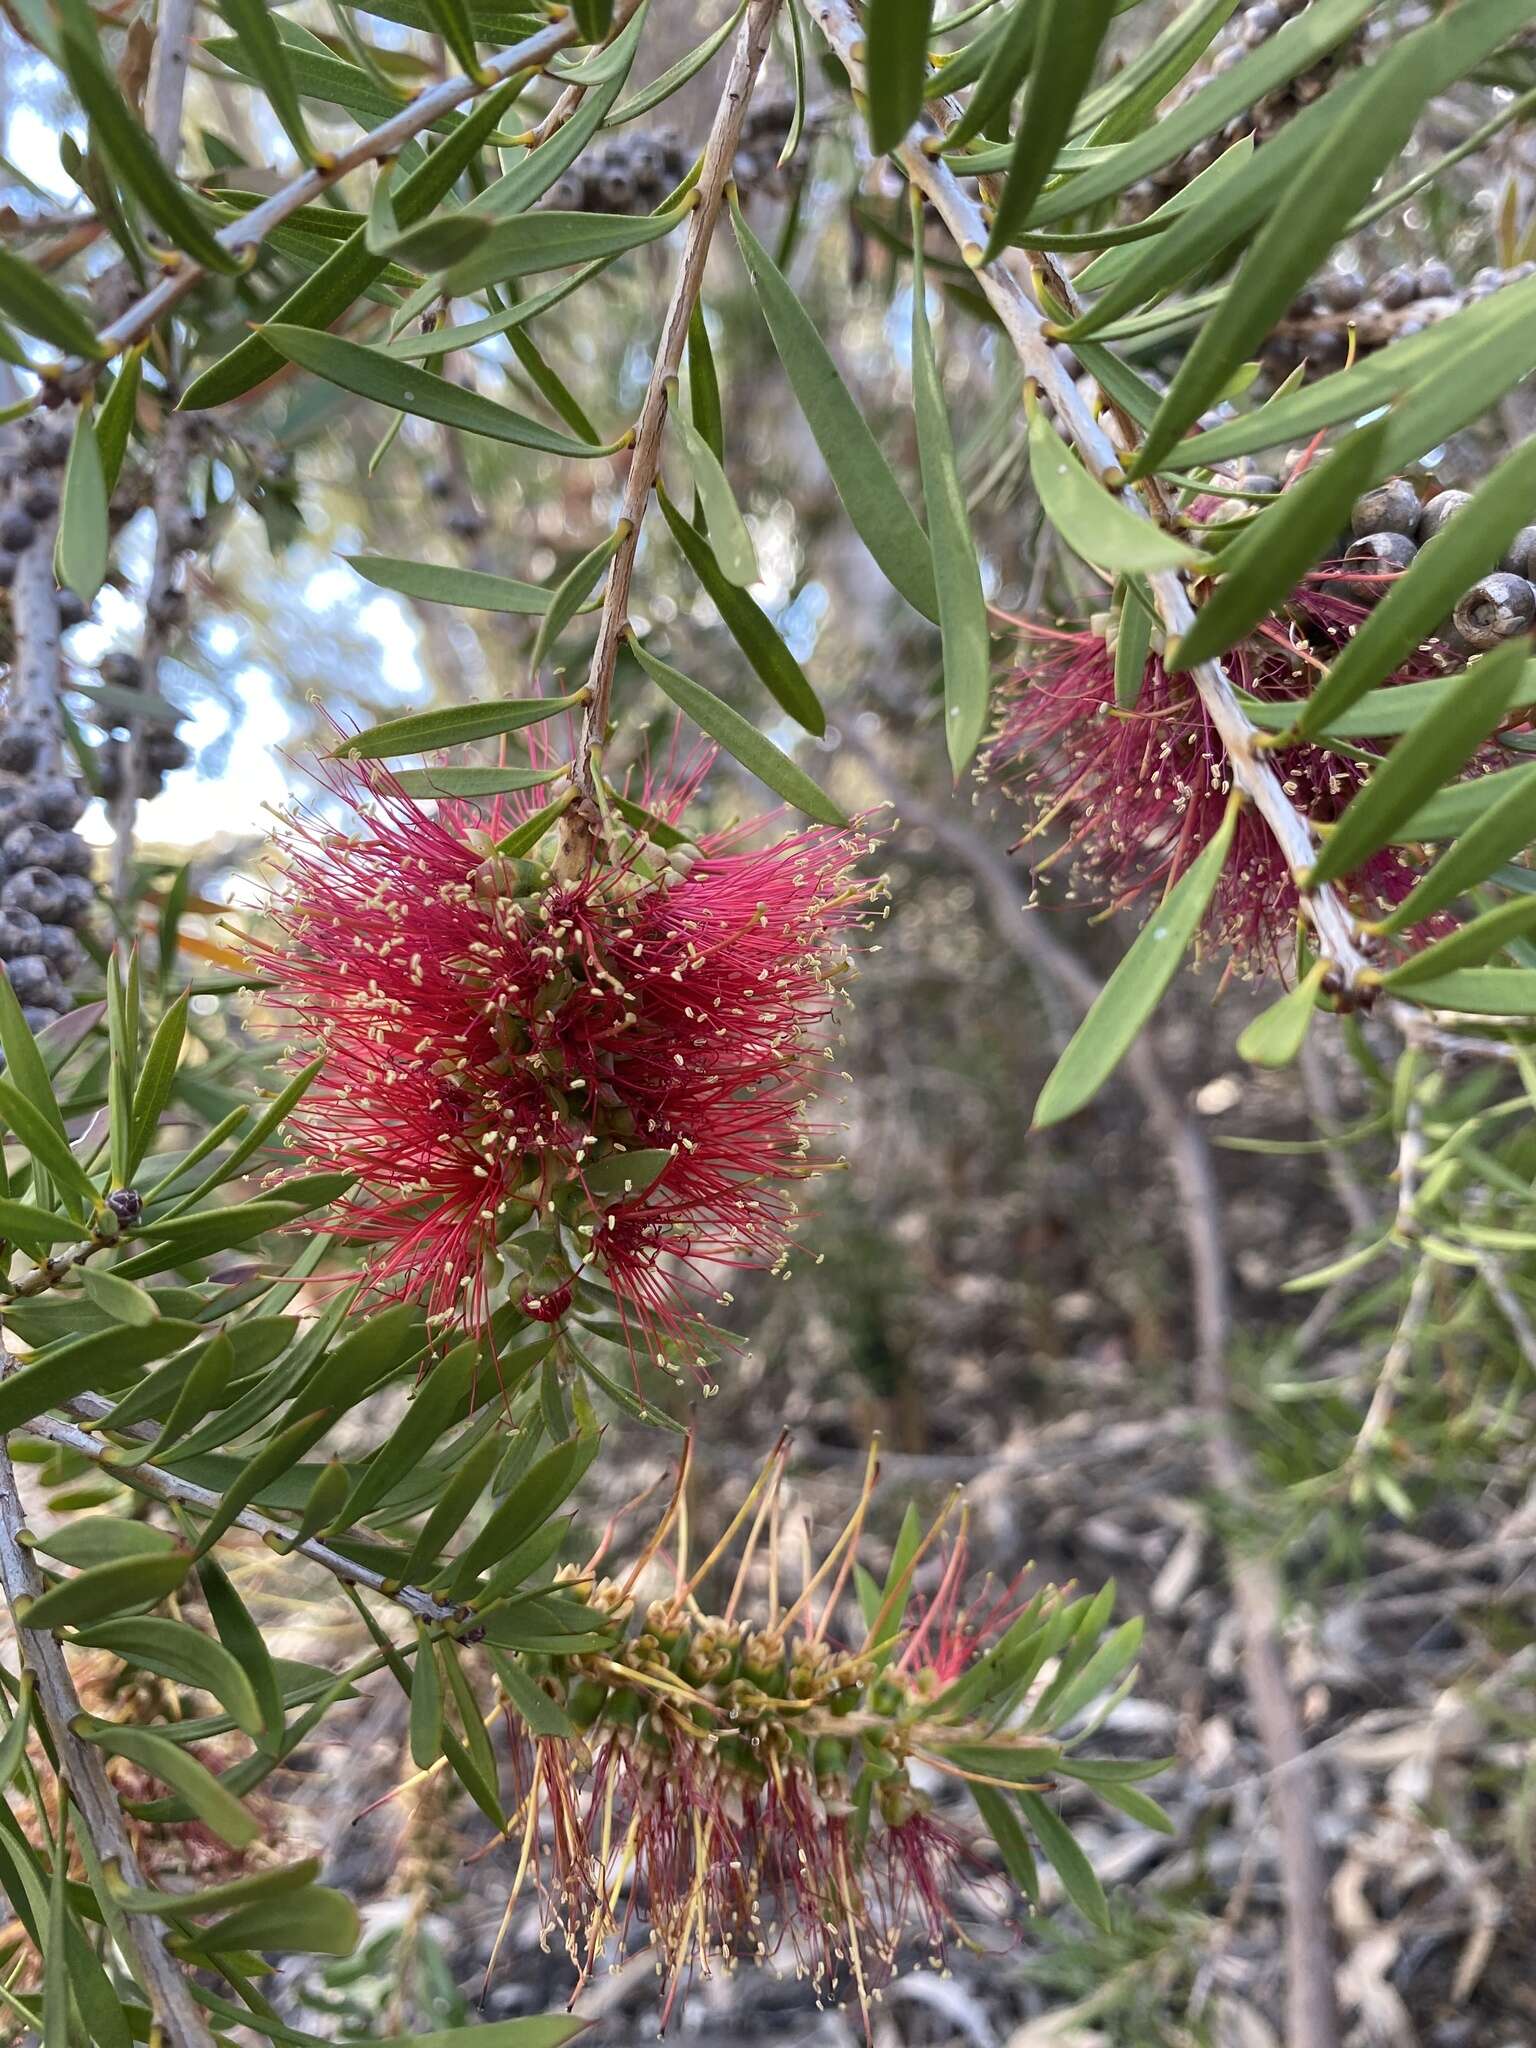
column 645, row 462
column 1497, row 1282
column 1023, row 322
column 180, row 2023
column 171, row 1486
column 1399, row 1356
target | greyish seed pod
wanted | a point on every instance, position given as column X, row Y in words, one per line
column 1520, row 555
column 1382, row 555
column 1442, row 507
column 1393, row 507
column 1497, row 609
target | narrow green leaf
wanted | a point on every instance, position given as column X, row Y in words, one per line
column 747, row 623
column 1418, row 601
column 1003, row 73
column 1430, row 754
column 895, row 67
column 174, row 1650
column 572, row 592
column 741, row 740
column 1274, row 551
column 728, row 536
column 372, row 374
column 31, row 1225
column 451, row 1508
column 1471, row 946
column 435, row 583
column 115, row 417
column 426, row 1730
column 213, row 1803
column 1006, row 1830
column 1135, row 988
column 704, row 383
column 276, row 1457
column 1457, row 808
column 1277, row 1034
column 1071, row 33
column 1503, row 831
column 1093, row 521
column 1479, row 992
column 40, row 308
column 56, row 2029
column 451, row 18
column 24, row 1064
column 532, row 242
column 424, row 732
column 1078, row 1881
column 106, row 1590
column 1133, row 642
column 134, row 157
column 543, row 1715
column 872, row 497
column 121, row 1299
column 546, row 2030
column 266, row 56
column 523, row 1510
column 245, row 1642
column 963, row 632
column 14, row 1742
column 318, row 1921
column 256, row 1884
column 202, row 1390
column 156, row 1079
column 49, row 1149
column 81, row 546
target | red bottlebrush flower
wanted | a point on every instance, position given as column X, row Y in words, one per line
column 601, row 1081
column 1140, row 793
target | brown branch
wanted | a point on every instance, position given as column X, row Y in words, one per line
column 171, row 2004
column 645, row 462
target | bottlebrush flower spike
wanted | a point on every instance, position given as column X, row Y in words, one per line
column 731, row 1785
column 1141, row 792
column 582, row 1088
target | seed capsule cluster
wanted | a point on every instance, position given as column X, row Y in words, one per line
column 161, row 750
column 1251, row 26
column 633, row 173
column 1391, row 525
column 46, row 892
column 1344, row 308
column 30, row 483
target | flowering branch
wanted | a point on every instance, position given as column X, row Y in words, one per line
column 1102, row 452
column 645, row 462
